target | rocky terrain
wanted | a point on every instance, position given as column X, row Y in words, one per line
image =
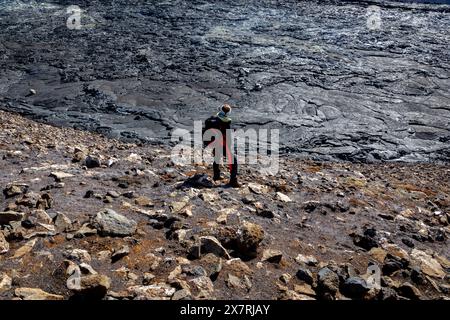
column 86, row 217
column 335, row 86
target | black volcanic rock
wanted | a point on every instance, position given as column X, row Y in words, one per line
column 313, row 69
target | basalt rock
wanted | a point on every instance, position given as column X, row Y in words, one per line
column 353, row 104
column 110, row 223
column 305, row 275
column 249, row 236
column 92, row 162
column 327, row 283
column 15, row 190
column 9, row 216
column 94, row 286
column 355, row 287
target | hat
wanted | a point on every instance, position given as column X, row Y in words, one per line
column 225, row 110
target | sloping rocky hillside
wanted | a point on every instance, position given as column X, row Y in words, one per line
column 85, row 217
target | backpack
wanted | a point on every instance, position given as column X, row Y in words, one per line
column 211, row 123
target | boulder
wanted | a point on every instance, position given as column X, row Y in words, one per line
column 257, row 188
column 305, row 275
column 25, row 249
column 285, row 278
column 292, row 295
column 304, row 289
column 60, row 175
column 92, row 162
column 113, row 194
column 9, row 216
column 388, row 294
column 15, row 189
column 378, row 254
column 395, row 251
column 391, row 265
column 202, row 287
column 35, row 294
column 5, row 282
column 265, row 213
column 29, row 200
column 212, row 265
column 308, row 260
column 327, row 282
column 272, row 255
column 209, row 244
column 355, row 287
column 144, row 201
column 78, row 156
column 311, row 205
column 85, row 231
column 4, row 245
column 152, row 292
column 237, row 266
column 282, row 197
column 193, row 270
column 78, row 255
column 44, row 202
column 62, row 222
column 109, row 223
column 366, row 241
column 120, row 253
column 427, row 263
column 183, row 294
column 178, row 206
column 238, row 283
column 93, row 286
column 209, row 196
column 148, row 278
column 373, row 277
column 249, row 236
column 409, row 291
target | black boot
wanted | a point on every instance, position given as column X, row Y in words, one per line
column 216, row 170
column 233, row 175
column 234, row 183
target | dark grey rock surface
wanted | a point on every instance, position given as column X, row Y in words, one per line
column 335, row 87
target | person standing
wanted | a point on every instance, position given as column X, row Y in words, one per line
column 222, row 122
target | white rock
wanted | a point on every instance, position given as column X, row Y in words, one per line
column 272, row 255
column 308, row 260
column 395, row 251
column 258, row 188
column 79, row 255
column 151, row 292
column 36, row 294
column 59, row 175
column 282, row 197
column 209, row 196
column 62, row 222
column 177, row 206
column 4, row 245
column 133, row 157
column 5, row 282
column 25, row 249
column 427, row 263
column 203, row 283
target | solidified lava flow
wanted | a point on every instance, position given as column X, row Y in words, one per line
column 337, row 86
column 93, row 204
